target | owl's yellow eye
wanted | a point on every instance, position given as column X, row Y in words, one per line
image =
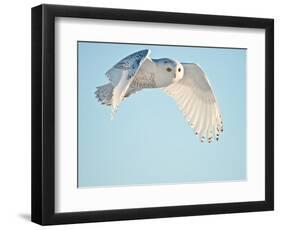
column 169, row 69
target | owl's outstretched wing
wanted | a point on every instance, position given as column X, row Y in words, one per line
column 122, row 75
column 195, row 98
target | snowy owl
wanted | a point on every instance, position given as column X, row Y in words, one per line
column 186, row 83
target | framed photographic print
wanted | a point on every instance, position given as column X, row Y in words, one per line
column 143, row 114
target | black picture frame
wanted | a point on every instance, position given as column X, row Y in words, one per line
column 43, row 114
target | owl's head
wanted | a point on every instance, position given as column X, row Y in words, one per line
column 170, row 69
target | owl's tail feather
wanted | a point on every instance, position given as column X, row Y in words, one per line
column 104, row 94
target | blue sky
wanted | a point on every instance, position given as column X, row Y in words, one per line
column 149, row 142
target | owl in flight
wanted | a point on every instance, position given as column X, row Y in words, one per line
column 186, row 83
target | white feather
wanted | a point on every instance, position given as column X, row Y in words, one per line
column 195, row 98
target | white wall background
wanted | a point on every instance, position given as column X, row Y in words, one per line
column 15, row 114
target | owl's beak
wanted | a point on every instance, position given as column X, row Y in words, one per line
column 175, row 78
